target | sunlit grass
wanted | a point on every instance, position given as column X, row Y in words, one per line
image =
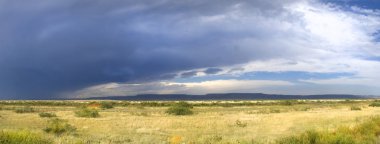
column 363, row 133
column 149, row 123
column 23, row 137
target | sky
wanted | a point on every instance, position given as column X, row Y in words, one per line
column 90, row 48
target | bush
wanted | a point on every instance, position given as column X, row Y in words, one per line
column 355, row 108
column 87, row 112
column 59, row 127
column 375, row 104
column 181, row 108
column 22, row 137
column 106, row 105
column 26, row 109
column 45, row 114
column 238, row 123
column 288, row 102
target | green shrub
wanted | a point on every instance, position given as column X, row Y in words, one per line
column 181, row 108
column 106, row 105
column 375, row 104
column 59, row 127
column 45, row 114
column 288, row 102
column 179, row 111
column 239, row 123
column 22, row 137
column 25, row 109
column 355, row 108
column 87, row 112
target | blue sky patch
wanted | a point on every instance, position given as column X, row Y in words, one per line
column 368, row 4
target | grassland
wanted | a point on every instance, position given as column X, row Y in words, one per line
column 210, row 121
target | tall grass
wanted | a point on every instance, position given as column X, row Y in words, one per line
column 22, row 137
column 365, row 133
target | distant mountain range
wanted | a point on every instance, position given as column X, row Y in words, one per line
column 226, row 96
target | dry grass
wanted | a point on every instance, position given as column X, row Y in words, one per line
column 207, row 125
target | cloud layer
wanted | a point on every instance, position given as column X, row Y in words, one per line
column 52, row 49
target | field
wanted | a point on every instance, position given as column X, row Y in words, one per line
column 210, row 121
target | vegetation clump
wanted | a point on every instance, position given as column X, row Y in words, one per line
column 87, row 112
column 181, row 108
column 288, row 102
column 107, row 105
column 25, row 109
column 22, row 137
column 59, row 127
column 366, row 132
column 239, row 123
column 375, row 103
column 355, row 108
column 46, row 114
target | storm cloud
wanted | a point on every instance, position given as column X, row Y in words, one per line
column 52, row 47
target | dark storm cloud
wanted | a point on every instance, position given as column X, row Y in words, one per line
column 189, row 74
column 212, row 70
column 52, row 47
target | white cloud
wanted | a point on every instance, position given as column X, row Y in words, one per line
column 334, row 41
column 342, row 81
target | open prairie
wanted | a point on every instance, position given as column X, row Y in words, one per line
column 209, row 122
